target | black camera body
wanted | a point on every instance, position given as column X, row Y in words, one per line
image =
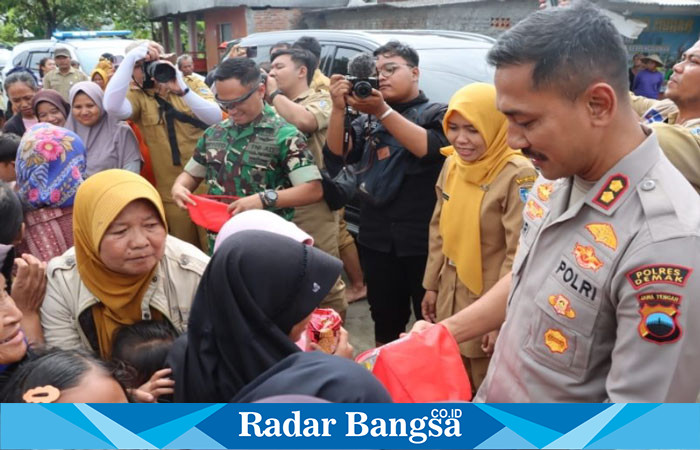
column 362, row 86
column 158, row 71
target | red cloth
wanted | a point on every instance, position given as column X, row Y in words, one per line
column 147, row 168
column 48, row 232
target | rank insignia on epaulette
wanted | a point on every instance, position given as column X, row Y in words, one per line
column 603, row 233
column 613, row 189
column 528, row 179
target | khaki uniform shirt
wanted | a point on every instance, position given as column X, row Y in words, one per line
column 501, row 218
column 320, row 82
column 170, row 293
column 603, row 304
column 680, row 141
column 62, row 83
column 146, row 114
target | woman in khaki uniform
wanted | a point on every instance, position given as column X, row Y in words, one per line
column 476, row 223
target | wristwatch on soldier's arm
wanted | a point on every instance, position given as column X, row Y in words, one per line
column 268, row 198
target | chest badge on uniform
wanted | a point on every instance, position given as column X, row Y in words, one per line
column 562, row 306
column 659, row 311
column 533, row 210
column 603, row 233
column 586, row 257
column 612, row 190
column 556, row 341
column 544, row 190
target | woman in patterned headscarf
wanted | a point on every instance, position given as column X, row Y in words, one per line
column 50, row 167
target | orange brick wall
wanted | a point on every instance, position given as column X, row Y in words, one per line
column 212, row 18
column 275, row 19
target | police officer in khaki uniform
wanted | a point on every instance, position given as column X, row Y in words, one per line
column 676, row 119
column 289, row 93
column 601, row 302
column 64, row 76
column 194, row 110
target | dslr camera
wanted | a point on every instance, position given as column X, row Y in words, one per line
column 159, row 71
column 362, row 86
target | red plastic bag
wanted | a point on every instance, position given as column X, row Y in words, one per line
column 421, row 367
column 209, row 212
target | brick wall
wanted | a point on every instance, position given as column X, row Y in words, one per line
column 488, row 17
column 274, row 19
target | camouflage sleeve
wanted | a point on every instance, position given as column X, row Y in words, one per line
column 196, row 166
column 297, row 160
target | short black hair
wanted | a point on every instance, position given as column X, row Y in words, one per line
column 9, row 143
column 570, row 47
column 62, row 369
column 242, row 69
column 299, row 57
column 309, row 43
column 142, row 349
column 396, row 48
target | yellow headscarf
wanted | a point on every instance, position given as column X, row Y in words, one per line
column 104, row 68
column 98, row 202
column 466, row 183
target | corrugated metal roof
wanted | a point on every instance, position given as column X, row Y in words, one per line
column 683, row 3
column 160, row 8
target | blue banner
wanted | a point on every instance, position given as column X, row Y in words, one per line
column 349, row 426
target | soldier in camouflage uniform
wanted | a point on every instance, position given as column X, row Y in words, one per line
column 254, row 155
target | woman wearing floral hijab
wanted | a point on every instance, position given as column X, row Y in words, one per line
column 50, row 167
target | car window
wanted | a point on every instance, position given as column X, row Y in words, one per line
column 326, row 58
column 89, row 57
column 342, row 57
column 19, row 59
column 35, row 57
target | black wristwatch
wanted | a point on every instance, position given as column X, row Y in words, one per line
column 274, row 94
column 269, row 198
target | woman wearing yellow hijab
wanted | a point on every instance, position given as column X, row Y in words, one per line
column 124, row 267
column 476, row 223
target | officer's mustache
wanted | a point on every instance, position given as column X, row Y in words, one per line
column 530, row 153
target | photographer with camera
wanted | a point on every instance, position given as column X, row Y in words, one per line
column 172, row 114
column 396, row 142
column 288, row 91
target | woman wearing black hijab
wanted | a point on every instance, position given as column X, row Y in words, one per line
column 253, row 302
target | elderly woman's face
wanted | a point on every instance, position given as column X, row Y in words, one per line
column 135, row 241
column 12, row 344
column 98, row 80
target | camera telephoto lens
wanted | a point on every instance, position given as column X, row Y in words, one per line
column 163, row 73
column 362, row 89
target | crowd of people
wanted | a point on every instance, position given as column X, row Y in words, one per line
column 549, row 221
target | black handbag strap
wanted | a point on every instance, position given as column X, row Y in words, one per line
column 171, row 115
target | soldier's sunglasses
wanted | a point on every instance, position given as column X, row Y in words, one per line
column 230, row 104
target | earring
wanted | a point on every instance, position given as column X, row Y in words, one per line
column 41, row 394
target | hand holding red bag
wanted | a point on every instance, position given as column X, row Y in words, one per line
column 421, row 367
column 209, row 212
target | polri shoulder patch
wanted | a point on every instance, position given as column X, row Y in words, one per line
column 659, row 274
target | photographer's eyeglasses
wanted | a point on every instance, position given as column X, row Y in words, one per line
column 389, row 69
column 230, row 104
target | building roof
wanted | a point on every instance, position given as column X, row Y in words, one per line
column 163, row 8
column 659, row 2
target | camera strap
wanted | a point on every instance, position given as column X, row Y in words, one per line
column 171, row 115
